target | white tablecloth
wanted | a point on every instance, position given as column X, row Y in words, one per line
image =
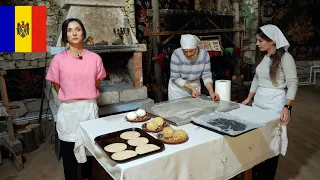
column 207, row 155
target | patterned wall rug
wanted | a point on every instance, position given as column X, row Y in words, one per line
column 300, row 22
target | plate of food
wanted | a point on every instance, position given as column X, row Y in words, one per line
column 129, row 144
column 171, row 136
column 155, row 125
column 138, row 116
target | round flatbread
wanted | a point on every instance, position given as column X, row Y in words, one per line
column 115, row 147
column 122, row 155
column 138, row 141
column 142, row 149
column 130, row 135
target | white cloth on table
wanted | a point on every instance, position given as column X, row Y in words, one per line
column 206, row 155
column 274, row 100
column 69, row 116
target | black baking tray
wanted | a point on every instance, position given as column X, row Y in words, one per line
column 221, row 132
column 114, row 137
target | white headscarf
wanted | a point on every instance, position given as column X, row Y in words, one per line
column 189, row 41
column 274, row 33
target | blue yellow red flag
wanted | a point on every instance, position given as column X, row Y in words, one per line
column 23, row 28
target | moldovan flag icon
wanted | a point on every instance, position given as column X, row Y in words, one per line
column 23, row 28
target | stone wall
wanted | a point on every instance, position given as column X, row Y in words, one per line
column 250, row 20
column 303, row 70
column 130, row 13
column 33, row 60
column 204, row 5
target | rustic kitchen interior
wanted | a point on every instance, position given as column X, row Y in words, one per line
column 135, row 39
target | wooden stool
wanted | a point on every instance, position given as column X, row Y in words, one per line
column 20, row 125
column 34, row 121
column 28, row 140
column 36, row 129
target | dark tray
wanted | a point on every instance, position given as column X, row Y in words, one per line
column 114, row 137
column 220, row 132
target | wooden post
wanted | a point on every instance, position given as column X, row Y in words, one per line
column 247, row 175
column 155, row 38
column 5, row 100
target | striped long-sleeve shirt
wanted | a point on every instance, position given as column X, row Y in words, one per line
column 183, row 70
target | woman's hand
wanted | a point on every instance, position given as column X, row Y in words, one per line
column 246, row 101
column 195, row 93
column 285, row 115
column 215, row 96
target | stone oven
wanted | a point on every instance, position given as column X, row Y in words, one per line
column 108, row 34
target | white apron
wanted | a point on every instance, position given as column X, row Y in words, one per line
column 273, row 100
column 69, row 116
column 177, row 92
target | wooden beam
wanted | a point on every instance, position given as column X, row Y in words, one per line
column 179, row 12
column 155, row 40
column 167, row 33
column 219, row 28
column 4, row 96
column 182, row 28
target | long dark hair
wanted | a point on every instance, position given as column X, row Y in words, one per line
column 276, row 58
column 64, row 27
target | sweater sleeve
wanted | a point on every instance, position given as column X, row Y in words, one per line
column 101, row 72
column 207, row 74
column 290, row 73
column 254, row 84
column 53, row 73
column 175, row 71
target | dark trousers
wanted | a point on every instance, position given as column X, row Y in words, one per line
column 266, row 170
column 70, row 164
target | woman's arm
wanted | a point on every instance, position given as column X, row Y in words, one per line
column 175, row 72
column 253, row 89
column 290, row 73
column 98, row 84
column 56, row 87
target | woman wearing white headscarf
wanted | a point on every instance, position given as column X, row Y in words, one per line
column 274, row 87
column 189, row 64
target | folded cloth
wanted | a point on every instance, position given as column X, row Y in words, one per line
column 279, row 143
column 79, row 150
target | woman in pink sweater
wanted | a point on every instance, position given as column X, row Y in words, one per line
column 76, row 74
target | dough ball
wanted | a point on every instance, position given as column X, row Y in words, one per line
column 141, row 113
column 158, row 120
column 131, row 116
column 152, row 126
column 167, row 132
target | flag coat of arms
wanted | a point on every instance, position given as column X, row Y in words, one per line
column 23, row 28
